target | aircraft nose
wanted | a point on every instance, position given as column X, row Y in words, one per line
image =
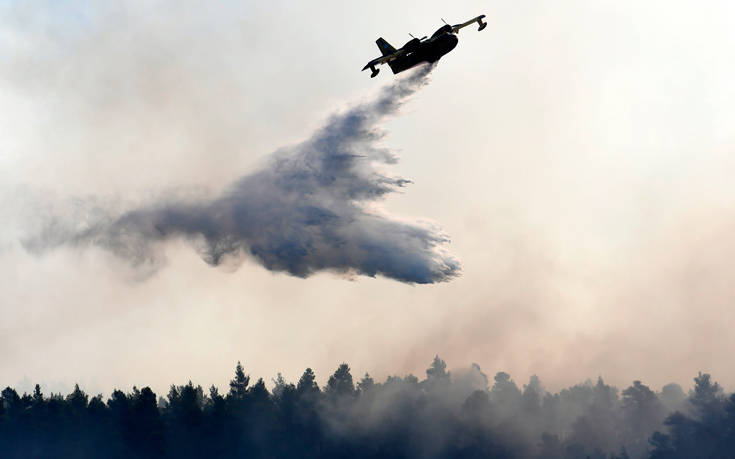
column 452, row 42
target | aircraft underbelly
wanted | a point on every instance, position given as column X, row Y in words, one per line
column 405, row 63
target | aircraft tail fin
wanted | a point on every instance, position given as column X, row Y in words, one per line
column 385, row 47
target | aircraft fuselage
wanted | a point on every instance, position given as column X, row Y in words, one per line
column 428, row 51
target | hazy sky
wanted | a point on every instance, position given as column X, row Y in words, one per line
column 579, row 155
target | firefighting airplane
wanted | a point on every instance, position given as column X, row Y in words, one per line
column 417, row 51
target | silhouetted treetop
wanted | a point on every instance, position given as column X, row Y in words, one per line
column 366, row 384
column 239, row 385
column 307, row 382
column 340, row 383
column 437, row 370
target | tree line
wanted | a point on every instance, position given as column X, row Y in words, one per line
column 460, row 415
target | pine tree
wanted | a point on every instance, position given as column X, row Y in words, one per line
column 437, row 375
column 37, row 395
column 239, row 385
column 307, row 384
column 78, row 400
column 366, row 384
column 12, row 401
column 340, row 383
column 437, row 370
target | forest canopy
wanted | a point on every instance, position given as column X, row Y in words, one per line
column 457, row 414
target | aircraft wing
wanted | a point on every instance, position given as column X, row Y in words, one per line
column 383, row 59
column 478, row 20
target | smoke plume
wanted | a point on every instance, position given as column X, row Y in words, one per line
column 307, row 210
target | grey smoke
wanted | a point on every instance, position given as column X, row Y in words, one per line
column 306, row 211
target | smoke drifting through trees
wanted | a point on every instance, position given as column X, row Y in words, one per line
column 306, row 211
column 461, row 414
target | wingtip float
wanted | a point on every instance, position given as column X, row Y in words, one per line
column 418, row 51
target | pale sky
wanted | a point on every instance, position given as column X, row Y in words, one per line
column 578, row 154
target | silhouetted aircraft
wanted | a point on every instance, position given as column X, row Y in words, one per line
column 421, row 50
